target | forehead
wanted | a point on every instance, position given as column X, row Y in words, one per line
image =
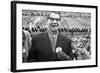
column 54, row 15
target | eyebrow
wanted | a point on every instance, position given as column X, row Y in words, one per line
column 53, row 18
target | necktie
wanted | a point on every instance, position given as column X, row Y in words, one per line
column 53, row 43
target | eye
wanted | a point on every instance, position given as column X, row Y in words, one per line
column 52, row 19
column 57, row 19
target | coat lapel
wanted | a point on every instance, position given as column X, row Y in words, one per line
column 47, row 43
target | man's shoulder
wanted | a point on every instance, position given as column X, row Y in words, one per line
column 40, row 35
column 65, row 37
column 27, row 34
column 25, row 31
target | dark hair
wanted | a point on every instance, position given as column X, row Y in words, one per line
column 56, row 12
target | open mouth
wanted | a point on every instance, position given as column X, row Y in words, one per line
column 54, row 24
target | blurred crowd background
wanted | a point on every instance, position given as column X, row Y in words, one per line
column 75, row 25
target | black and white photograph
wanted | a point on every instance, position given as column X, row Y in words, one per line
column 53, row 36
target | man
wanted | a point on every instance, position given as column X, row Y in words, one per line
column 26, row 44
column 44, row 45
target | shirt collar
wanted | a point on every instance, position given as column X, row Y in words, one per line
column 52, row 35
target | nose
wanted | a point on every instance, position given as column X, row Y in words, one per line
column 54, row 21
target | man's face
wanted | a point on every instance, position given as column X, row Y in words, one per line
column 54, row 21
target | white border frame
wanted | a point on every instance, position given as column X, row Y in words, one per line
column 39, row 65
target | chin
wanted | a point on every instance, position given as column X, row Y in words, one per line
column 54, row 29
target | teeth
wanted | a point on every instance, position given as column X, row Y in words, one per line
column 54, row 25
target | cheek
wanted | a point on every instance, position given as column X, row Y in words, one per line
column 59, row 24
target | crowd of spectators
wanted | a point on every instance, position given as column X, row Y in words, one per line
column 82, row 46
column 70, row 30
